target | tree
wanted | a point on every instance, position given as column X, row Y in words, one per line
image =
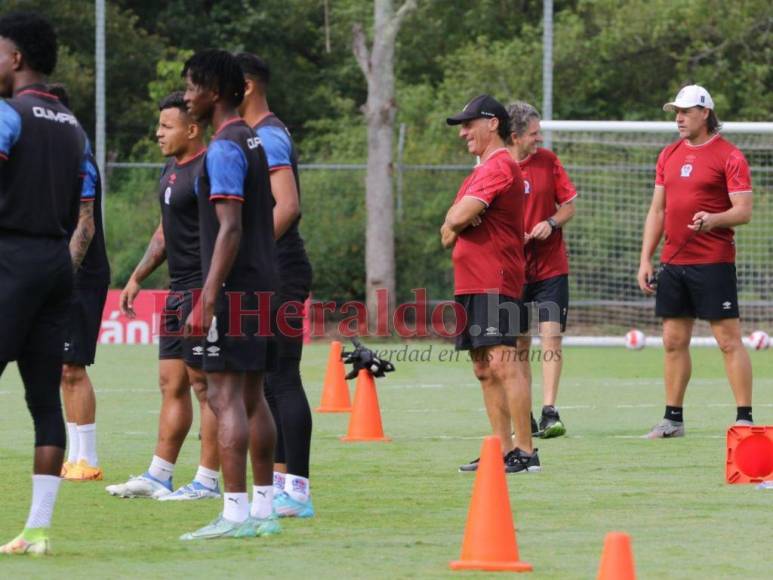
column 377, row 64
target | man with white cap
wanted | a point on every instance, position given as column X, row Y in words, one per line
column 702, row 190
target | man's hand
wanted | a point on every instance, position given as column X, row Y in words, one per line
column 448, row 236
column 703, row 222
column 200, row 319
column 646, row 272
column 541, row 231
column 128, row 295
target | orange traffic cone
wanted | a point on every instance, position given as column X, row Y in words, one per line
column 365, row 422
column 489, row 538
column 335, row 391
column 617, row 558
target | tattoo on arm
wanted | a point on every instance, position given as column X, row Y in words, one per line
column 154, row 256
column 83, row 234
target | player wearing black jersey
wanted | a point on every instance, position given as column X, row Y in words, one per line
column 238, row 258
column 176, row 240
column 92, row 277
column 42, row 151
column 284, row 387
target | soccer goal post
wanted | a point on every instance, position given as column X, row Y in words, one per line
column 612, row 164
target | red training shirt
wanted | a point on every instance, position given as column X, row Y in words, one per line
column 546, row 186
column 700, row 178
column 489, row 257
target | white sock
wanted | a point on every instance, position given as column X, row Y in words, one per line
column 72, row 442
column 262, row 501
column 161, row 469
column 236, row 507
column 44, row 490
column 297, row 487
column 207, row 477
column 279, row 482
column 87, row 444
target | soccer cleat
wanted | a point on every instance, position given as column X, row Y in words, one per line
column 144, row 485
column 744, row 423
column 535, row 432
column 765, row 485
column 666, row 429
column 194, row 490
column 287, row 507
column 34, row 542
column 222, row 528
column 518, row 461
column 550, row 424
column 470, row 466
column 258, row 528
column 82, row 471
column 66, row 467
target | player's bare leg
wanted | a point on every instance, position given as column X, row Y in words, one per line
column 176, row 417
column 262, row 445
column 208, row 457
column 225, row 393
column 550, row 336
column 738, row 364
column 80, row 404
column 494, row 396
column 514, row 381
column 677, row 368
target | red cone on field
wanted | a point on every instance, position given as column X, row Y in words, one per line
column 365, row 421
column 489, row 537
column 617, row 558
column 335, row 391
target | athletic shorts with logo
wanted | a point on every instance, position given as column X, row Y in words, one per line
column 84, row 322
column 491, row 320
column 172, row 344
column 705, row 291
column 240, row 343
column 550, row 297
column 35, row 295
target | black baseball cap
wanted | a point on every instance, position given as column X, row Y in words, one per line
column 482, row 106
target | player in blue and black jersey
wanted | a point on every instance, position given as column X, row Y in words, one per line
column 92, row 278
column 284, row 387
column 176, row 241
column 42, row 155
column 238, row 258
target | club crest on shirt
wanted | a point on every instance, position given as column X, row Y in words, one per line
column 526, row 187
column 686, row 170
column 167, row 195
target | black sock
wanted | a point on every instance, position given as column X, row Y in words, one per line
column 743, row 414
column 674, row 413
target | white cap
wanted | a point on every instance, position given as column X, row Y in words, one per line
column 690, row 96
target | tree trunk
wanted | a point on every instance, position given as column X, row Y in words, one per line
column 377, row 65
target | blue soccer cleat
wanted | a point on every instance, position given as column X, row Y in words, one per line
column 193, row 491
column 287, row 507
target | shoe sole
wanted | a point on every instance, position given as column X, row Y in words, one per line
column 532, row 469
column 556, row 430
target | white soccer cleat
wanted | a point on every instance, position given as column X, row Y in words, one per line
column 143, row 485
column 193, row 491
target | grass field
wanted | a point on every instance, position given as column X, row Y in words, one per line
column 397, row 510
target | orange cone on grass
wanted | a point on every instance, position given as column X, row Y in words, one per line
column 365, row 421
column 335, row 391
column 489, row 537
column 617, row 558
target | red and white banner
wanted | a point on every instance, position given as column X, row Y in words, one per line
column 119, row 329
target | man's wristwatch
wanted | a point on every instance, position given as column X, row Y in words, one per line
column 552, row 223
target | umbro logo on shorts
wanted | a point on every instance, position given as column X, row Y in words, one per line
column 213, row 351
column 198, row 350
column 492, row 331
column 726, row 305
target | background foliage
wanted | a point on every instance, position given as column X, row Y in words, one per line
column 614, row 59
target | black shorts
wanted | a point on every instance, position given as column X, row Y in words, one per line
column 550, row 297
column 84, row 322
column 492, row 319
column 248, row 347
column 36, row 283
column 705, row 291
column 171, row 342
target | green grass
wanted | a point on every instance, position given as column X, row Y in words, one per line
column 397, row 510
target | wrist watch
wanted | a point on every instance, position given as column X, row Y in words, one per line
column 553, row 223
